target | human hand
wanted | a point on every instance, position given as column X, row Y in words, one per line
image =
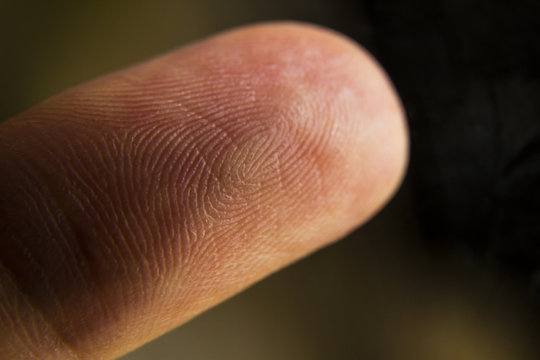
column 133, row 202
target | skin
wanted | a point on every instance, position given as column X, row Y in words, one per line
column 132, row 203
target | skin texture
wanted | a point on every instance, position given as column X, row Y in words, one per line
column 133, row 202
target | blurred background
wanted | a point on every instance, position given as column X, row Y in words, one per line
column 450, row 269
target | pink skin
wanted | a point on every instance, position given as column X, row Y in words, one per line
column 146, row 196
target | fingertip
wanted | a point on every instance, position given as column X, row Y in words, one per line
column 199, row 172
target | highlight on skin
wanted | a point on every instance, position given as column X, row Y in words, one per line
column 131, row 203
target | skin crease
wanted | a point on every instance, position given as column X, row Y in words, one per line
column 133, row 202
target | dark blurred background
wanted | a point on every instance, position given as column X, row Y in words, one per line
column 450, row 270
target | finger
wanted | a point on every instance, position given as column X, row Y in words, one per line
column 134, row 202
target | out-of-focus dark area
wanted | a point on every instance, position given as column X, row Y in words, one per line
column 451, row 269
